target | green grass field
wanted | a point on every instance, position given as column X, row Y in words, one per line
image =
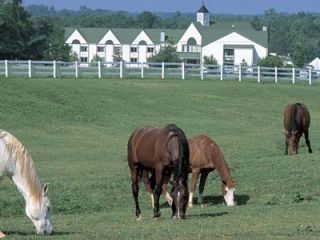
column 77, row 130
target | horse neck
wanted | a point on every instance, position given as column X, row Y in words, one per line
column 22, row 171
column 222, row 168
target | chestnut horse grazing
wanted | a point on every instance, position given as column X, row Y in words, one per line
column 205, row 156
column 160, row 152
column 17, row 164
column 296, row 122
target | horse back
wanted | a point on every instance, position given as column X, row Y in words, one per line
column 296, row 117
column 148, row 146
column 204, row 152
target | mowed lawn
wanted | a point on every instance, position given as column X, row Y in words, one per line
column 76, row 130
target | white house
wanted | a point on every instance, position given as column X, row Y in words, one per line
column 228, row 43
column 315, row 63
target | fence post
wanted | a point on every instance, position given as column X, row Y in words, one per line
column 6, row 68
column 54, row 64
column 29, row 69
column 221, row 72
column 121, row 69
column 276, row 74
column 259, row 78
column 162, row 70
column 310, row 76
column 99, row 69
column 201, row 71
column 293, row 75
column 142, row 70
column 182, row 71
column 240, row 73
column 76, row 68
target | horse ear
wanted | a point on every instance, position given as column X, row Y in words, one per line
column 45, row 189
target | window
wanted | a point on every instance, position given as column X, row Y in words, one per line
column 83, row 48
column 100, row 49
column 228, row 58
column 134, row 60
column 84, row 59
column 134, row 49
column 76, row 41
column 150, row 49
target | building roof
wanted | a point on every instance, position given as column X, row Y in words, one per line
column 203, row 9
column 218, row 30
column 125, row 35
column 209, row 33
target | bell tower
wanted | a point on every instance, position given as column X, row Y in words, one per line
column 203, row 15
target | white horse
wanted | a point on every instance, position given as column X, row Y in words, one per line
column 17, row 164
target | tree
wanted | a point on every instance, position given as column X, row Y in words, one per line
column 146, row 19
column 270, row 61
column 167, row 53
column 210, row 60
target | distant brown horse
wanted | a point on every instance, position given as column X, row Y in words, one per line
column 296, row 122
column 160, row 151
column 205, row 156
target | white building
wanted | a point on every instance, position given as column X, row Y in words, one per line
column 228, row 43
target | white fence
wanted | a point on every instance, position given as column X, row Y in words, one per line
column 160, row 70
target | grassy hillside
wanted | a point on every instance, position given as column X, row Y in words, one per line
column 77, row 130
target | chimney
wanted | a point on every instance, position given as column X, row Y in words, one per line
column 162, row 37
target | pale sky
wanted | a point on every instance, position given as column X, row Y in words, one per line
column 245, row 7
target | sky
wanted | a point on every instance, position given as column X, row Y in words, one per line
column 237, row 7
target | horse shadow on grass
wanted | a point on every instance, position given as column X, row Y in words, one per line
column 32, row 233
column 240, row 200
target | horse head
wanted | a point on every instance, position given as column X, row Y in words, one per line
column 180, row 196
column 228, row 192
column 292, row 139
column 39, row 213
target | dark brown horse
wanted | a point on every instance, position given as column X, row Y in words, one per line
column 205, row 156
column 296, row 122
column 160, row 152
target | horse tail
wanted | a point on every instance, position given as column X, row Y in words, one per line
column 293, row 123
column 183, row 164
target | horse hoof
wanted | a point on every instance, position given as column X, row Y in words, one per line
column 190, row 205
column 139, row 219
column 156, row 216
column 201, row 205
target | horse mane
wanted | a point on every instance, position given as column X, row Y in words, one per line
column 182, row 169
column 293, row 123
column 220, row 163
column 23, row 162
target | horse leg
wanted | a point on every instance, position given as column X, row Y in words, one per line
column 203, row 179
column 286, row 148
column 135, row 190
column 149, row 184
column 157, row 193
column 194, row 178
column 166, row 194
column 306, row 135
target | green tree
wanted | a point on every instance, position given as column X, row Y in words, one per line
column 146, row 19
column 167, row 53
column 210, row 60
column 270, row 61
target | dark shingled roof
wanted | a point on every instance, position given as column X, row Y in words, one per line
column 203, row 9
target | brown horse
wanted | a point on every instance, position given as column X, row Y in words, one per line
column 205, row 156
column 296, row 122
column 160, row 151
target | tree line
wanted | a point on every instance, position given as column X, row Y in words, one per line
column 36, row 31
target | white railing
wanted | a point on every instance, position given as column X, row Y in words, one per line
column 162, row 70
